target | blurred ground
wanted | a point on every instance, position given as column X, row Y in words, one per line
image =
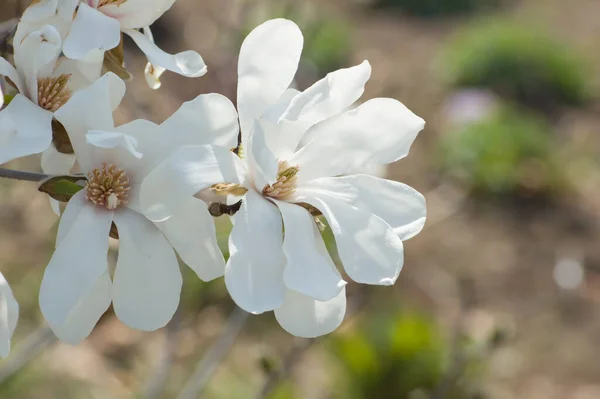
column 477, row 262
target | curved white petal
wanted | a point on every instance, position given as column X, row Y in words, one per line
column 326, row 187
column 134, row 14
column 113, row 140
column 103, row 97
column 399, row 205
column 368, row 247
column 40, row 10
column 57, row 163
column 187, row 63
column 191, row 232
column 91, row 30
column 267, row 65
column 254, row 271
column 308, row 268
column 147, row 281
column 379, row 131
column 262, row 162
column 77, row 264
column 303, row 316
column 25, row 129
column 9, row 71
column 36, row 57
column 207, row 119
column 74, row 207
column 184, row 173
column 325, row 99
column 9, row 315
column 84, row 317
column 82, row 72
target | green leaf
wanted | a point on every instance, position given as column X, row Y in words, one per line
column 8, row 98
column 62, row 188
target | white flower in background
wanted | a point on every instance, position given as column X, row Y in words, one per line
column 41, row 84
column 292, row 273
column 145, row 288
column 96, row 25
column 9, row 314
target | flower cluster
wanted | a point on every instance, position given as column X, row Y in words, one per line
column 282, row 163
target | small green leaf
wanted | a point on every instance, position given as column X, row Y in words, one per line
column 8, row 98
column 62, row 188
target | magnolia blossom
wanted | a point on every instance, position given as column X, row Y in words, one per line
column 41, row 84
column 94, row 26
column 9, row 314
column 145, row 288
column 296, row 149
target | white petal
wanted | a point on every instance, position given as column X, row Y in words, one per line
column 57, row 163
column 399, row 205
column 261, row 160
column 134, row 14
column 379, row 131
column 187, row 63
column 71, row 214
column 267, row 65
column 113, row 140
column 40, row 10
column 25, row 129
column 9, row 315
column 254, row 271
column 325, row 99
column 368, row 247
column 91, row 30
column 147, row 281
column 77, row 264
column 82, row 72
column 36, row 56
column 191, row 231
column 102, row 97
column 308, row 268
column 9, row 71
column 84, row 317
column 184, row 173
column 208, row 119
column 326, row 187
column 5, row 335
column 306, row 317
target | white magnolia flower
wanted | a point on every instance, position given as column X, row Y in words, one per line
column 292, row 273
column 9, row 314
column 97, row 26
column 41, row 83
column 145, row 288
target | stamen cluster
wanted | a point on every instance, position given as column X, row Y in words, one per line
column 108, row 186
column 53, row 93
column 285, row 184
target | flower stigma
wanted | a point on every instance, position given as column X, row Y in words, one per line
column 285, row 184
column 108, row 186
column 53, row 93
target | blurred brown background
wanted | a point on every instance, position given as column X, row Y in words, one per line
column 499, row 296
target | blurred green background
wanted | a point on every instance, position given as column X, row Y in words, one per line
column 499, row 294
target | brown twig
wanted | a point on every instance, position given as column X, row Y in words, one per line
column 214, row 356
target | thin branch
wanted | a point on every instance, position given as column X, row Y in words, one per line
column 22, row 175
column 31, row 348
column 158, row 379
column 214, row 355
